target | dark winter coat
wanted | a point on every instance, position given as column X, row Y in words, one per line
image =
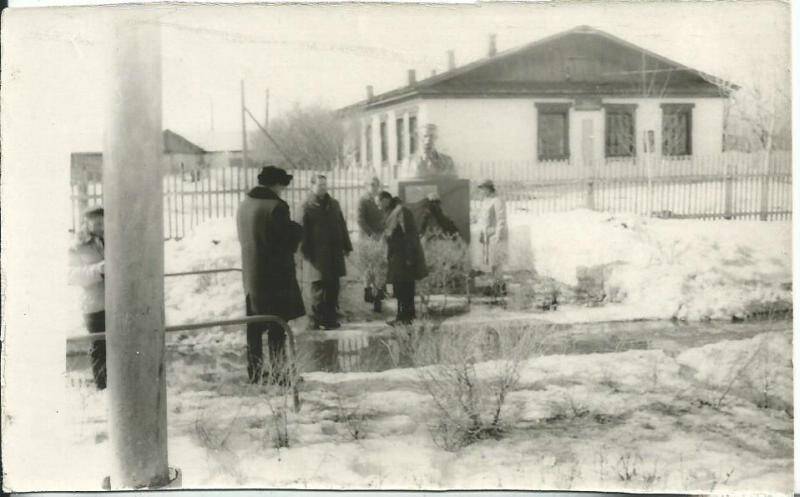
column 325, row 239
column 370, row 217
column 406, row 259
column 269, row 240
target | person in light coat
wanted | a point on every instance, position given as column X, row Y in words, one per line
column 370, row 224
column 493, row 227
column 87, row 270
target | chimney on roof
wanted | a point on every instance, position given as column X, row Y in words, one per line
column 451, row 60
column 370, row 93
column 492, row 45
column 433, row 72
column 412, row 77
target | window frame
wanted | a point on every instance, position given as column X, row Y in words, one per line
column 413, row 138
column 383, row 136
column 544, row 108
column 677, row 108
column 626, row 108
column 400, row 132
column 368, row 142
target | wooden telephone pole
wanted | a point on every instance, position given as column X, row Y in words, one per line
column 134, row 252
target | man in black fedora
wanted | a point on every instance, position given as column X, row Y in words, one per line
column 269, row 239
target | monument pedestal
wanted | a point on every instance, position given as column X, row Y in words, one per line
column 453, row 192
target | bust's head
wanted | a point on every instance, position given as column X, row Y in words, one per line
column 429, row 136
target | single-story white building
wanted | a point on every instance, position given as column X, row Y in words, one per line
column 580, row 95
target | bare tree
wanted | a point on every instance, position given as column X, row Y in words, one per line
column 309, row 137
column 758, row 115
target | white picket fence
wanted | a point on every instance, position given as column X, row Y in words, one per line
column 732, row 185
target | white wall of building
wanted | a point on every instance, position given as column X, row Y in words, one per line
column 485, row 130
column 479, row 131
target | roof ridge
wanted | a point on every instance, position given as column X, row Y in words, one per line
column 583, row 28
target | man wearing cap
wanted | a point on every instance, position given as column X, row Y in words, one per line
column 430, row 162
column 370, row 224
column 268, row 239
column 326, row 243
column 493, row 228
column 87, row 270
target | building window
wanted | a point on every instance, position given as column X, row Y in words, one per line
column 398, row 127
column 553, row 131
column 368, row 141
column 620, row 130
column 412, row 134
column 676, row 129
column 384, row 143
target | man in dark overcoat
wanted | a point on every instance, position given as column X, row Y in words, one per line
column 326, row 243
column 405, row 257
column 370, row 224
column 269, row 239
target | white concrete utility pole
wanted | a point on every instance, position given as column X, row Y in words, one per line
column 134, row 251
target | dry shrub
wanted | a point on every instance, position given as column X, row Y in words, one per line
column 352, row 415
column 448, row 261
column 369, row 258
column 282, row 397
column 469, row 397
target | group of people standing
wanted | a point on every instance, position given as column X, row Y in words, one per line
column 269, row 240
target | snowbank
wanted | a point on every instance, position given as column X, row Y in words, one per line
column 759, row 369
column 684, row 269
column 627, row 421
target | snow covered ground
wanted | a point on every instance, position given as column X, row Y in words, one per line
column 662, row 269
column 657, row 269
column 640, row 420
column 715, row 417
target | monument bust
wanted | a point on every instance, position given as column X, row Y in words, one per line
column 430, row 163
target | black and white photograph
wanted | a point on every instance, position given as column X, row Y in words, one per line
column 539, row 246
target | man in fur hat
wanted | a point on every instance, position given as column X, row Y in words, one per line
column 269, row 239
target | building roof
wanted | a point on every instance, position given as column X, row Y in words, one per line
column 456, row 82
column 218, row 141
column 174, row 143
column 177, row 144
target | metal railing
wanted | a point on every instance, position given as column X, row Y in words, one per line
column 203, row 271
column 261, row 318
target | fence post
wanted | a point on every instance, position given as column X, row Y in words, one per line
column 728, row 191
column 765, row 177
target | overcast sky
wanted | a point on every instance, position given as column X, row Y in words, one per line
column 327, row 54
